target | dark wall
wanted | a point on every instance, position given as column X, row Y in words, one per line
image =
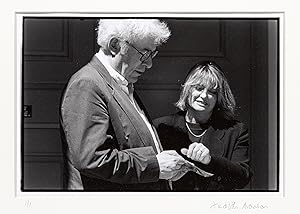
column 55, row 48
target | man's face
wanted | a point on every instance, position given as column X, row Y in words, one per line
column 131, row 67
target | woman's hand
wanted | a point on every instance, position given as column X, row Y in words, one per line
column 197, row 152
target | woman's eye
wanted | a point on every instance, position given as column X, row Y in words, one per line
column 213, row 91
column 199, row 88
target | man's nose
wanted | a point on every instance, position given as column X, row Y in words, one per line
column 148, row 63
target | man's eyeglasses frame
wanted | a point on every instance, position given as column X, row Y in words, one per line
column 144, row 56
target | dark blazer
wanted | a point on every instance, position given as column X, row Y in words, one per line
column 107, row 146
column 228, row 144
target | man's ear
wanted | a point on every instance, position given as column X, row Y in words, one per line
column 114, row 46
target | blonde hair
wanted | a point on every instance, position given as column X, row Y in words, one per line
column 132, row 30
column 209, row 74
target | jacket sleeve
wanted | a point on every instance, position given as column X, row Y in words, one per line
column 92, row 150
column 235, row 170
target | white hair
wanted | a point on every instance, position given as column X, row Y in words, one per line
column 132, row 30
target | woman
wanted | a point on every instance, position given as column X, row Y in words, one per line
column 206, row 133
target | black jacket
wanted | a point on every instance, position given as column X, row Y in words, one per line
column 228, row 144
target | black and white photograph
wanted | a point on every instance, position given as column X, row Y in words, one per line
column 150, row 104
column 149, row 107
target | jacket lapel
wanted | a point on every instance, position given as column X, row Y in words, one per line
column 212, row 140
column 125, row 104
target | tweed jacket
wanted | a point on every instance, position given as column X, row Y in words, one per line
column 107, row 146
column 228, row 144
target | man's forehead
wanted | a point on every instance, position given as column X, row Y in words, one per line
column 146, row 43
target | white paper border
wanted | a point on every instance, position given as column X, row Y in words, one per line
column 173, row 198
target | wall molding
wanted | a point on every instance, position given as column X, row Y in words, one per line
column 44, row 85
column 45, row 156
column 41, row 125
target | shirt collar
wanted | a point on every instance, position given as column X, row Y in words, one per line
column 113, row 73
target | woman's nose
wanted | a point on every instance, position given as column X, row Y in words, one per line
column 203, row 93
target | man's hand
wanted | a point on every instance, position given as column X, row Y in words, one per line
column 197, row 152
column 170, row 163
column 180, row 173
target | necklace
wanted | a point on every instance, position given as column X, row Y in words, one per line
column 200, row 135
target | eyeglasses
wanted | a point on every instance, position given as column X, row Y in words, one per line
column 144, row 56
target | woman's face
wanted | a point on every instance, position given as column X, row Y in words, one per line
column 202, row 99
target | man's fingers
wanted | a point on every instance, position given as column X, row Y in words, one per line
column 180, row 160
column 171, row 152
column 178, row 166
column 178, row 174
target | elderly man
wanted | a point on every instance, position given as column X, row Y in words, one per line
column 109, row 141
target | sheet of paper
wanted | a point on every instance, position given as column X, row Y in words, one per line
column 197, row 170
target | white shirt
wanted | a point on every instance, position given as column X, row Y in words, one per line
column 123, row 82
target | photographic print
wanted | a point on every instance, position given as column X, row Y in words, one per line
column 205, row 97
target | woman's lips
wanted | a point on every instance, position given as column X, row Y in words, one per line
column 201, row 103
